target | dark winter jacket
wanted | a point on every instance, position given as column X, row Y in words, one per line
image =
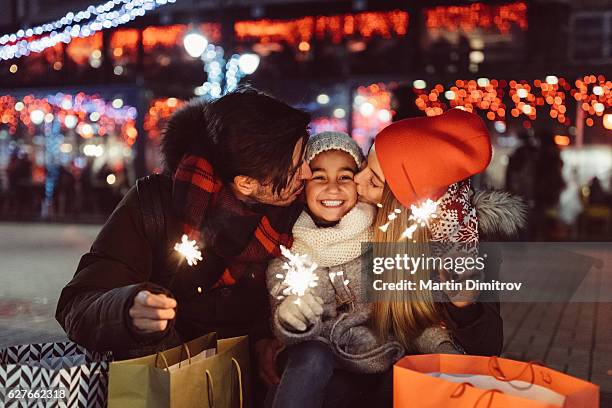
column 93, row 307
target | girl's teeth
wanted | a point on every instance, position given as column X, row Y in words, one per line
column 332, row 203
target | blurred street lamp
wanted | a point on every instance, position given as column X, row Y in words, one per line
column 70, row 121
column 323, row 99
column 37, row 116
column 607, row 121
column 339, row 113
column 195, row 44
column 419, row 84
column 223, row 75
column 248, row 63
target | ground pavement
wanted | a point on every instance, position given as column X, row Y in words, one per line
column 36, row 261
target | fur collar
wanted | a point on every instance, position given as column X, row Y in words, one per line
column 500, row 214
column 187, row 125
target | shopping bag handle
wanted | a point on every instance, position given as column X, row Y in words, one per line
column 237, row 365
column 186, row 347
column 159, row 353
column 209, row 389
column 490, row 392
column 210, row 385
column 496, row 371
column 462, row 387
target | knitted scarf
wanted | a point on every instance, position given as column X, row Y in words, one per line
column 237, row 239
column 338, row 244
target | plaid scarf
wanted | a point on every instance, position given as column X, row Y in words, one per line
column 237, row 239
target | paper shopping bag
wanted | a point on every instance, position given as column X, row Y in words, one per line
column 156, row 380
column 61, row 374
column 228, row 375
column 444, row 380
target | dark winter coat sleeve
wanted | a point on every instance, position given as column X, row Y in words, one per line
column 478, row 328
column 93, row 307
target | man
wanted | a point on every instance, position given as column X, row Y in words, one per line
column 234, row 171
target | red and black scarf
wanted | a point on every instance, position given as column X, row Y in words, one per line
column 237, row 239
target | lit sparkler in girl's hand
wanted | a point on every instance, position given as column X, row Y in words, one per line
column 189, row 249
column 300, row 274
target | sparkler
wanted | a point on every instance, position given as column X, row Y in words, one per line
column 189, row 249
column 421, row 215
column 300, row 274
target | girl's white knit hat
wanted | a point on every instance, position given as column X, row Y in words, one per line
column 325, row 141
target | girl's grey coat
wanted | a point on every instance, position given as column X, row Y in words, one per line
column 343, row 324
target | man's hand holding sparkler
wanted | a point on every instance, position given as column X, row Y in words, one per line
column 299, row 312
column 151, row 312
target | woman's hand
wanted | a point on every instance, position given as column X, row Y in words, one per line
column 460, row 298
column 298, row 312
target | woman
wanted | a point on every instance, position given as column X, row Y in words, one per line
column 420, row 158
column 414, row 160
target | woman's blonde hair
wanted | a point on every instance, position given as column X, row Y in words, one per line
column 402, row 314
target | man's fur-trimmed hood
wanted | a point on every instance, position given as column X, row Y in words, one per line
column 186, row 125
column 500, row 214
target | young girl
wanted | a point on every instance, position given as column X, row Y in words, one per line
column 328, row 328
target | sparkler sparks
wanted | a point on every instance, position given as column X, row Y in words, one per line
column 423, row 213
column 189, row 249
column 384, row 227
column 409, row 231
column 420, row 214
column 391, row 217
column 300, row 274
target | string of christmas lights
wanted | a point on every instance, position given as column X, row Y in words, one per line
column 88, row 115
column 108, row 15
column 69, row 18
column 159, row 112
column 478, row 15
column 371, row 112
column 594, row 93
column 302, row 30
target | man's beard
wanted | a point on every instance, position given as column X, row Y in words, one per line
column 265, row 195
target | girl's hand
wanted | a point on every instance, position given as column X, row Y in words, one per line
column 298, row 312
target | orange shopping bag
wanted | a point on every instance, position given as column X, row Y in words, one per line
column 449, row 380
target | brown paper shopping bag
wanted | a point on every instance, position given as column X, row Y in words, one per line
column 219, row 381
column 445, row 380
column 228, row 375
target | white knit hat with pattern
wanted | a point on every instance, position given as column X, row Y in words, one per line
column 324, row 141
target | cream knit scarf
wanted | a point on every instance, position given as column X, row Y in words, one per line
column 338, row 244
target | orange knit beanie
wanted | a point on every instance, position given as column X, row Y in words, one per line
column 421, row 157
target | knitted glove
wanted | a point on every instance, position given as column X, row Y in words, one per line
column 298, row 312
